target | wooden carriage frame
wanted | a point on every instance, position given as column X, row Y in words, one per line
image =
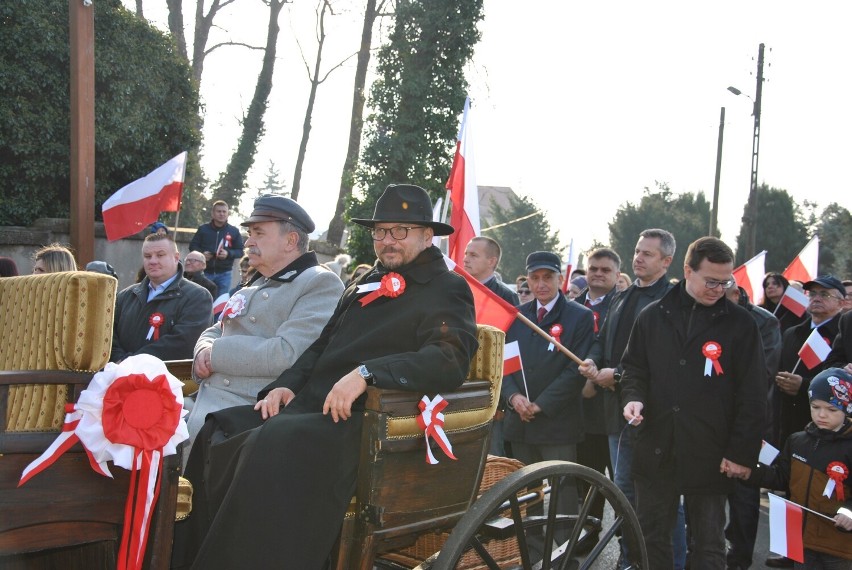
column 72, row 515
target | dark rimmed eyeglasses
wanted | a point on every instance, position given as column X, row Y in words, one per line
column 396, row 232
column 524, row 292
column 712, row 283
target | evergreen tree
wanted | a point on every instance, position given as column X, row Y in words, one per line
column 272, row 183
column 520, row 230
column 781, row 229
column 686, row 216
column 416, row 102
column 145, row 106
column 835, row 238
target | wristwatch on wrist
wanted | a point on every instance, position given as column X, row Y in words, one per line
column 366, row 375
column 616, row 375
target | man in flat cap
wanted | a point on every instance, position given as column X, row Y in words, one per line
column 272, row 481
column 544, row 402
column 268, row 324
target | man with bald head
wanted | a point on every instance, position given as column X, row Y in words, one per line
column 193, row 270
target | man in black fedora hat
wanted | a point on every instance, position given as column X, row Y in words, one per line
column 272, row 481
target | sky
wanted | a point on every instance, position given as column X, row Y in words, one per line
column 578, row 105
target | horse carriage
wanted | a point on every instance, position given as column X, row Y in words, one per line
column 478, row 511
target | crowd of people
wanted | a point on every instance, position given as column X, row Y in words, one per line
column 683, row 379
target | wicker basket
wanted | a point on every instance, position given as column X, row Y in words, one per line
column 505, row 551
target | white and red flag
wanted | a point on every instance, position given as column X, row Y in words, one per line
column 569, row 267
column 749, row 276
column 512, row 363
column 140, row 203
column 804, row 267
column 785, row 529
column 463, row 191
column 815, row 350
column 490, row 309
column 794, row 300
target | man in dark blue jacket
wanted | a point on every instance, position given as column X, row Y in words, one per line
column 221, row 243
column 544, row 412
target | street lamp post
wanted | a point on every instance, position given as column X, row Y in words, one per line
column 750, row 216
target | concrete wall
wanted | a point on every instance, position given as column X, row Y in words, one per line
column 124, row 255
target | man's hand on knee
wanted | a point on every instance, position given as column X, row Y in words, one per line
column 344, row 392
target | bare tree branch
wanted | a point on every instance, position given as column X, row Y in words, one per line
column 241, row 44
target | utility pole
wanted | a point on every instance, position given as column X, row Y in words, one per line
column 81, row 19
column 750, row 217
column 714, row 214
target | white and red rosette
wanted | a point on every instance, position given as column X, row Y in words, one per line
column 556, row 333
column 837, row 473
column 131, row 414
column 156, row 320
column 431, row 421
column 392, row 285
column 235, row 306
column 712, row 351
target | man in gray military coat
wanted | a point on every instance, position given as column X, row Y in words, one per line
column 269, row 323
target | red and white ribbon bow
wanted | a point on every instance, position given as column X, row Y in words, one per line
column 712, row 351
column 556, row 333
column 156, row 321
column 431, row 421
column 392, row 285
column 837, row 473
column 130, row 414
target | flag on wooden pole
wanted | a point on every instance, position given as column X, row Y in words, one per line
column 490, row 309
column 464, row 193
column 815, row 350
column 749, row 276
column 804, row 266
column 140, row 203
column 794, row 300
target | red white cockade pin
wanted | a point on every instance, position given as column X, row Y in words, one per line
column 556, row 333
column 392, row 285
column 712, row 351
column 837, row 473
column 156, row 320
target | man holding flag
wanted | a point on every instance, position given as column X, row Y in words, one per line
column 825, row 299
column 544, row 415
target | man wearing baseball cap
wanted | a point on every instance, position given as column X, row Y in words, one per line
column 268, row 324
column 825, row 300
column 274, row 479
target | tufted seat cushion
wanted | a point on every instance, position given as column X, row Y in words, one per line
column 56, row 321
column 487, row 364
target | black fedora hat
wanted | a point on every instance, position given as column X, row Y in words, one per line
column 405, row 203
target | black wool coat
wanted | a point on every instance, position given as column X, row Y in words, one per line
column 553, row 380
column 691, row 420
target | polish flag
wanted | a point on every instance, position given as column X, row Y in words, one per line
column 785, row 529
column 140, row 203
column 749, row 276
column 794, row 300
column 815, row 350
column 490, row 309
column 463, row 191
column 512, row 363
column 569, row 267
column 804, row 267
column 511, row 358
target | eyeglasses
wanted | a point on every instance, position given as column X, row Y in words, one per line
column 712, row 283
column 524, row 292
column 188, row 261
column 823, row 295
column 396, row 232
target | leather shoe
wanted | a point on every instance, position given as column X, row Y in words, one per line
column 775, row 561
